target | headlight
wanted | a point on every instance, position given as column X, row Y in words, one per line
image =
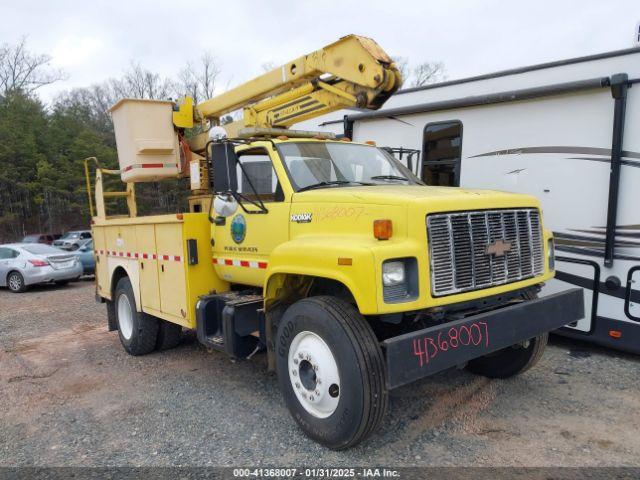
column 393, row 273
column 551, row 254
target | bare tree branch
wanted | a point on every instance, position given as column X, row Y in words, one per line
column 402, row 63
column 428, row 72
column 21, row 70
column 199, row 81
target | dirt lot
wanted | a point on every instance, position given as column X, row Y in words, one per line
column 71, row 396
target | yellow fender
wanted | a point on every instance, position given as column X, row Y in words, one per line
column 331, row 258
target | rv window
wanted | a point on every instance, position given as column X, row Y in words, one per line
column 442, row 151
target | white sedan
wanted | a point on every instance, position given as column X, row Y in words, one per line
column 24, row 264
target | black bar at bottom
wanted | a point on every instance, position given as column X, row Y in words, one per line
column 419, row 354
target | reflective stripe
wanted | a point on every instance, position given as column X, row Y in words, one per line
column 145, row 256
column 240, row 263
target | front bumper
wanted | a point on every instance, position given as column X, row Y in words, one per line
column 422, row 353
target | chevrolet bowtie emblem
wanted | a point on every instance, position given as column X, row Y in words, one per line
column 498, row 248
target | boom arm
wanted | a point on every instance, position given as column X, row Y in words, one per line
column 352, row 72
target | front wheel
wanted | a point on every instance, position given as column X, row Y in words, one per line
column 331, row 371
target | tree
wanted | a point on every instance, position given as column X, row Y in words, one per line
column 139, row 82
column 420, row 75
column 21, row 70
column 199, row 80
column 428, row 72
column 402, row 64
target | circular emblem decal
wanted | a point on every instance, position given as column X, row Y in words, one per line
column 238, row 228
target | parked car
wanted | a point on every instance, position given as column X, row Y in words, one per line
column 73, row 240
column 24, row 264
column 47, row 238
column 85, row 255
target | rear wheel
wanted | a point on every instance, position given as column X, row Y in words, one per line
column 15, row 282
column 331, row 371
column 512, row 360
column 169, row 335
column 138, row 331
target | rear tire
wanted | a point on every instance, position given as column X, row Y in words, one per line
column 15, row 282
column 512, row 360
column 331, row 371
column 138, row 331
column 169, row 335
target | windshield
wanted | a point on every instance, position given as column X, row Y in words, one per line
column 41, row 249
column 31, row 239
column 322, row 164
column 71, row 235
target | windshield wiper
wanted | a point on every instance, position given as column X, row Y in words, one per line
column 330, row 183
column 389, row 177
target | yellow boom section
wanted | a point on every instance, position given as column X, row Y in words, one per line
column 352, row 72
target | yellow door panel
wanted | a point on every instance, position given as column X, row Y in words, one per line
column 242, row 245
column 148, row 266
column 171, row 270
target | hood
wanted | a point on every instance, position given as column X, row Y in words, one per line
column 436, row 198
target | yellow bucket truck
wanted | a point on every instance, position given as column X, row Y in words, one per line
column 331, row 256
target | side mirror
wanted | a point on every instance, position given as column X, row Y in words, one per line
column 224, row 165
column 225, row 205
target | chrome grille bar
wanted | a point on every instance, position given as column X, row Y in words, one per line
column 458, row 243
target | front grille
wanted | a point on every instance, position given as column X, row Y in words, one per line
column 458, row 249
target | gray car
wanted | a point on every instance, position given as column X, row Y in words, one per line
column 24, row 264
column 73, row 240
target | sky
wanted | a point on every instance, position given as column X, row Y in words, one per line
column 96, row 40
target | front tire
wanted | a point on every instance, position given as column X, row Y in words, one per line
column 138, row 331
column 15, row 282
column 331, row 371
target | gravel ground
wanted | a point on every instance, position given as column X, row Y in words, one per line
column 70, row 395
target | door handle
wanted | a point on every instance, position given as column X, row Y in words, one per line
column 162, row 268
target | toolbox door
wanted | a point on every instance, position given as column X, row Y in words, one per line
column 148, row 267
column 171, row 270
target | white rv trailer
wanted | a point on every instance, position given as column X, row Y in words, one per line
column 567, row 132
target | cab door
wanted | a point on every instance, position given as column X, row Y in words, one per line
column 245, row 240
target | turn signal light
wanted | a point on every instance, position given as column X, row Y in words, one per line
column 615, row 333
column 38, row 263
column 382, row 229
